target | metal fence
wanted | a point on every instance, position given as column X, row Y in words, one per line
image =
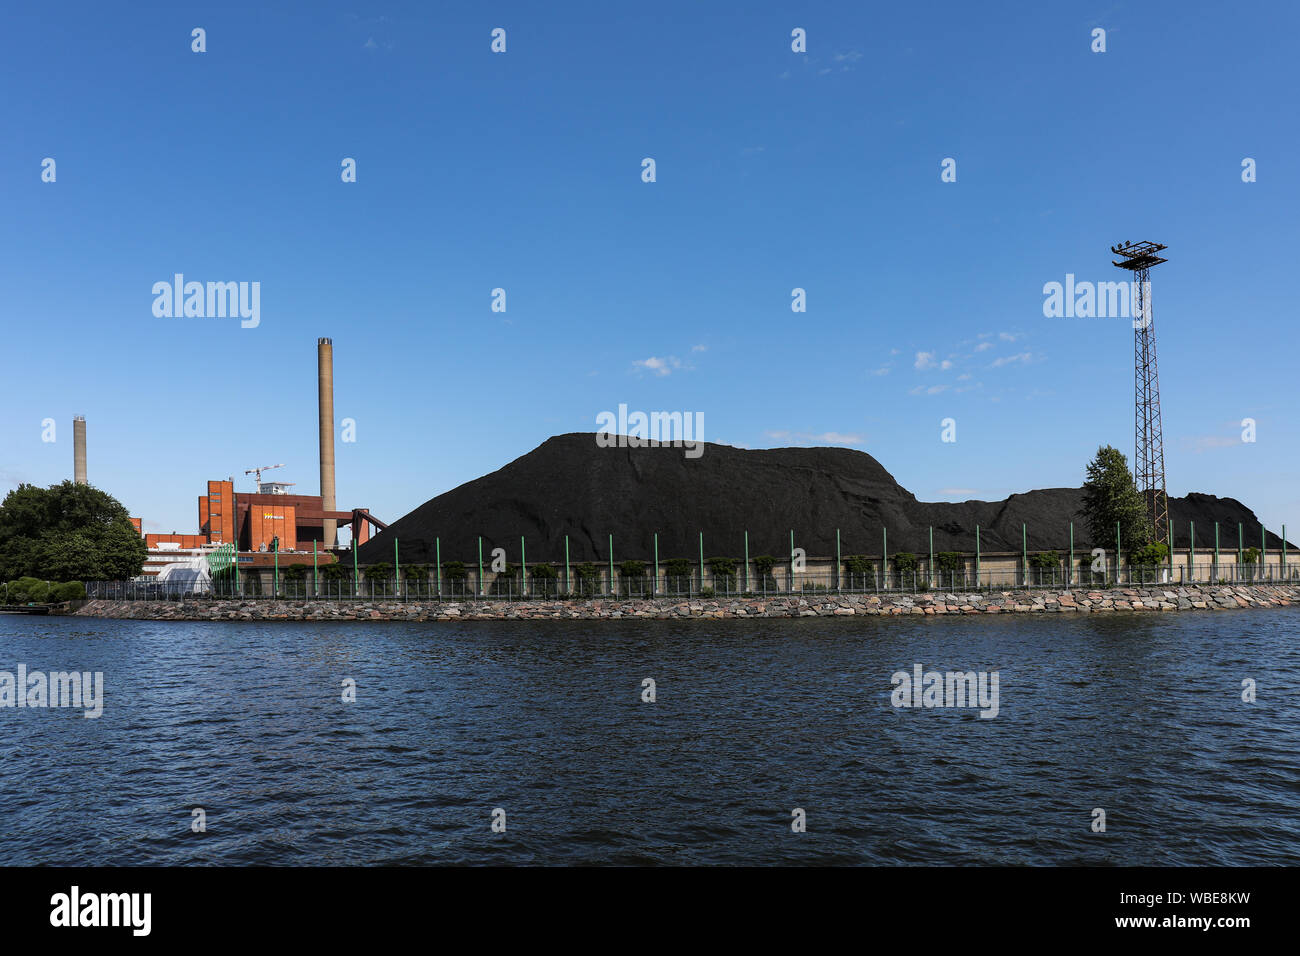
column 603, row 585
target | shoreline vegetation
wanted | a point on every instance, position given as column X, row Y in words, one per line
column 1016, row 601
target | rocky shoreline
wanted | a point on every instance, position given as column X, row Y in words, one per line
column 1087, row 601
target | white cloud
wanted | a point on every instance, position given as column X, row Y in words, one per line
column 983, row 346
column 660, row 366
column 883, row 370
column 924, row 360
column 699, row 348
column 1206, row 442
column 1009, row 359
column 822, row 438
column 1009, row 336
column 957, row 492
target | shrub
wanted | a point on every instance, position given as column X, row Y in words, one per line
column 763, row 565
column 454, row 570
column 334, row 571
column 1149, row 557
column 724, row 572
column 415, row 572
column 905, row 562
column 506, row 580
column 28, row 590
column 677, row 573
column 1249, row 556
column 706, row 592
column 859, row 569
column 632, row 573
column 374, row 573
column 294, row 573
column 588, row 578
column 545, row 580
column 1044, row 560
column 68, row 591
column 949, row 561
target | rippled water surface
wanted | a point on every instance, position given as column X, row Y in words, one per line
column 1138, row 714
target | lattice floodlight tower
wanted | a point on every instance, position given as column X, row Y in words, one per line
column 1148, row 442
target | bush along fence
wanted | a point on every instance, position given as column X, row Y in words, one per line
column 721, row 576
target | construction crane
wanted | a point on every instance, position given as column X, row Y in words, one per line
column 258, row 473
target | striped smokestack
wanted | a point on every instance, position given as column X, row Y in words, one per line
column 79, row 450
column 325, row 381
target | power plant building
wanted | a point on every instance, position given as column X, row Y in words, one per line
column 271, row 519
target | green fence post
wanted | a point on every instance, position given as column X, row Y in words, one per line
column 275, row 574
column 315, row 571
column 568, row 588
column 838, row 563
column 1263, row 551
column 1024, row 560
column 611, row 565
column 480, row 566
column 523, row 568
column 746, row 560
column 1191, row 550
column 654, row 585
column 701, row 559
column 1284, row 552
column 977, row 557
column 437, row 557
column 356, row 579
column 1216, row 553
column 397, row 570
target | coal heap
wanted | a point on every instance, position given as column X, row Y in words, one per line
column 569, row 485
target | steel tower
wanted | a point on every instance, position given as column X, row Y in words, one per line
column 1148, row 442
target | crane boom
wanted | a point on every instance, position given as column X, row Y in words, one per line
column 258, row 473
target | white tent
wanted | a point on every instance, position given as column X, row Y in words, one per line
column 186, row 577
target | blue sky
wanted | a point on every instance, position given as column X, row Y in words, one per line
column 522, row 171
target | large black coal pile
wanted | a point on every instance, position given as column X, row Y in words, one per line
column 569, row 485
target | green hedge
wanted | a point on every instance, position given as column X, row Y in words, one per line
column 28, row 590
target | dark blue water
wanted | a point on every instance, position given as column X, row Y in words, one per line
column 1138, row 714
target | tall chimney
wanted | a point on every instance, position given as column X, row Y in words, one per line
column 79, row 450
column 325, row 381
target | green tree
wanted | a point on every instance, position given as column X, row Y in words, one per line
column 68, row 532
column 1109, row 496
